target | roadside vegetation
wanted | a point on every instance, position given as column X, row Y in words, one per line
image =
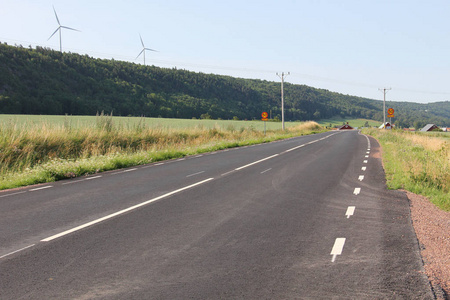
column 417, row 162
column 38, row 152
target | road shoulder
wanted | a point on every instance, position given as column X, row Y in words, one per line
column 432, row 227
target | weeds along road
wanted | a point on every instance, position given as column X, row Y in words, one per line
column 305, row 217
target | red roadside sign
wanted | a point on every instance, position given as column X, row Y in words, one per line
column 264, row 116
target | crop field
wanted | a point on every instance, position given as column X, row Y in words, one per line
column 132, row 122
column 37, row 149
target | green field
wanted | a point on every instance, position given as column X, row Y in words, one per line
column 131, row 122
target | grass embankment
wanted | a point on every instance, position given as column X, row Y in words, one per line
column 42, row 152
column 417, row 162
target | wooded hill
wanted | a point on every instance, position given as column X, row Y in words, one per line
column 44, row 81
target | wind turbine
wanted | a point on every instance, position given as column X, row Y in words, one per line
column 143, row 49
column 59, row 29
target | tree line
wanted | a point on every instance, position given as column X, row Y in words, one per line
column 44, row 81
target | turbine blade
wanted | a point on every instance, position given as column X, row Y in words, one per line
column 70, row 28
column 59, row 28
column 151, row 49
column 142, row 42
column 56, row 16
column 140, row 53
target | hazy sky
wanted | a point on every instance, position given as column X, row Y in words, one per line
column 348, row 46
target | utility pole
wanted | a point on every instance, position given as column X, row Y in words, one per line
column 384, row 90
column 282, row 96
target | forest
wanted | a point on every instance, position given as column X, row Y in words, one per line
column 45, row 81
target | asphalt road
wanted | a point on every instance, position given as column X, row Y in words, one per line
column 308, row 218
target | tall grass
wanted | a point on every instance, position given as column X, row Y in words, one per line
column 43, row 152
column 417, row 162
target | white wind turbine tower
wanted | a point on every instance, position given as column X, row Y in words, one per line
column 143, row 49
column 59, row 29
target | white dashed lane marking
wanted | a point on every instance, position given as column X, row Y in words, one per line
column 266, row 171
column 124, row 171
column 198, row 173
column 75, row 181
column 357, row 191
column 13, row 194
column 337, row 248
column 41, row 188
column 350, row 211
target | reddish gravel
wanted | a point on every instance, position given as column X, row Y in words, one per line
column 432, row 227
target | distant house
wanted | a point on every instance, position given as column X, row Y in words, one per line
column 386, row 125
column 345, row 127
column 429, row 127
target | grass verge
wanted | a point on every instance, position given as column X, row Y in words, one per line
column 416, row 162
column 39, row 153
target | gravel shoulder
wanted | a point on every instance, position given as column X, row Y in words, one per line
column 432, row 227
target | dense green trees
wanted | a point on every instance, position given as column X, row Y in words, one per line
column 43, row 81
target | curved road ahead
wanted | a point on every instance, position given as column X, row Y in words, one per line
column 308, row 217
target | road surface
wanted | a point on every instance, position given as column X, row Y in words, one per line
column 308, row 217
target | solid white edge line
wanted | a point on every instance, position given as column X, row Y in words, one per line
column 17, row 251
column 123, row 211
column 256, row 162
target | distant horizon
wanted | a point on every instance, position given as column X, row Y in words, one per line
column 350, row 47
column 218, row 74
